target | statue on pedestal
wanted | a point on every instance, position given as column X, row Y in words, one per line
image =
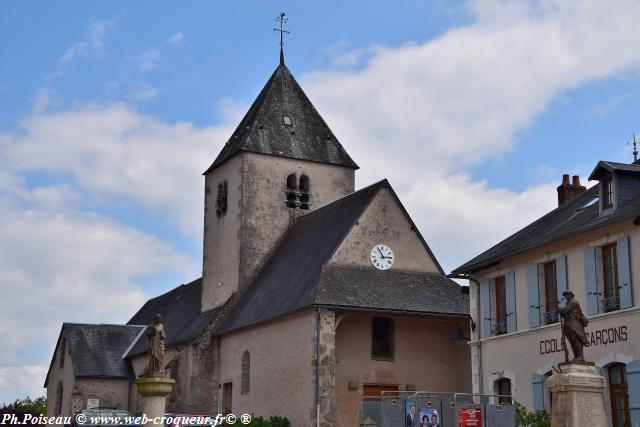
column 156, row 335
column 573, row 326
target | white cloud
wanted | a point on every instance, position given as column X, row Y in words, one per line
column 144, row 92
column 457, row 100
column 148, row 59
column 94, row 43
column 60, row 260
column 22, row 381
column 41, row 101
column 423, row 113
column 113, row 151
column 461, row 218
column 177, row 38
column 342, row 56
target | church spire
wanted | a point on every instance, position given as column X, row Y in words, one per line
column 282, row 18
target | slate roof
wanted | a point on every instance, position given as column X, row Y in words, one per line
column 181, row 316
column 612, row 167
column 263, row 130
column 397, row 290
column 96, row 350
column 570, row 219
column 289, row 280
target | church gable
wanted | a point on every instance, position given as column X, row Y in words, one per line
column 386, row 222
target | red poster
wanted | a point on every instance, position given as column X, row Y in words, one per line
column 469, row 417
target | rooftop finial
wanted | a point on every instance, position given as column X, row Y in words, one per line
column 635, row 149
column 282, row 18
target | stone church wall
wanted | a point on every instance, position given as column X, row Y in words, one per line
column 266, row 217
column 282, row 368
column 424, row 357
column 221, row 245
column 384, row 222
column 193, row 366
column 113, row 393
column 58, row 375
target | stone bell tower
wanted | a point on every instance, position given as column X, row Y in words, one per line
column 282, row 161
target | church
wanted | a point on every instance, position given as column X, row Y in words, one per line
column 312, row 295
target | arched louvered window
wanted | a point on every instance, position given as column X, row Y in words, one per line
column 221, row 199
column 304, row 192
column 292, row 193
column 246, row 373
column 59, row 393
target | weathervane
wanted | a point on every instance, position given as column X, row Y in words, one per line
column 282, row 18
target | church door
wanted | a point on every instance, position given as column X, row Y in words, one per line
column 227, row 395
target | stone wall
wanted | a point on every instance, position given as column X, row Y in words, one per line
column 265, row 216
column 282, row 368
column 60, row 375
column 425, row 359
column 384, row 222
column 327, row 373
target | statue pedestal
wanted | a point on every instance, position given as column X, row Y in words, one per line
column 577, row 396
column 155, row 392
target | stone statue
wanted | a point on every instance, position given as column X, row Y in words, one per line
column 573, row 327
column 156, row 335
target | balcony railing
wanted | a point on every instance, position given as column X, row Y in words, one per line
column 499, row 328
column 550, row 317
column 610, row 304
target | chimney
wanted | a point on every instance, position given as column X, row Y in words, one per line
column 568, row 191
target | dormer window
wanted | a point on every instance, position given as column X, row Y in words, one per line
column 607, row 192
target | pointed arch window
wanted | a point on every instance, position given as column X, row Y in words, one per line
column 63, row 351
column 304, row 192
column 246, row 373
column 59, row 393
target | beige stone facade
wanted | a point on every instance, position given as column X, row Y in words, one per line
column 524, row 352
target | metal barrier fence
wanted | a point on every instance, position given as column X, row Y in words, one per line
column 436, row 409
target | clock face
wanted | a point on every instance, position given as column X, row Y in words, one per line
column 382, row 257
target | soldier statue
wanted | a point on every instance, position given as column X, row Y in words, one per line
column 156, row 335
column 573, row 327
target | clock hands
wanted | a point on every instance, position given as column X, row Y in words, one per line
column 382, row 255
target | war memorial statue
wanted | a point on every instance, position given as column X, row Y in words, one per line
column 576, row 385
column 573, row 326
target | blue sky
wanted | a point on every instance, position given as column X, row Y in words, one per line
column 111, row 111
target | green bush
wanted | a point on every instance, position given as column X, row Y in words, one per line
column 21, row 407
column 271, row 422
column 527, row 418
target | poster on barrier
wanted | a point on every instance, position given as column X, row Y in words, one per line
column 429, row 418
column 469, row 417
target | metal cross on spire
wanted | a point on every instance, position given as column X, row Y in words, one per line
column 635, row 149
column 282, row 18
